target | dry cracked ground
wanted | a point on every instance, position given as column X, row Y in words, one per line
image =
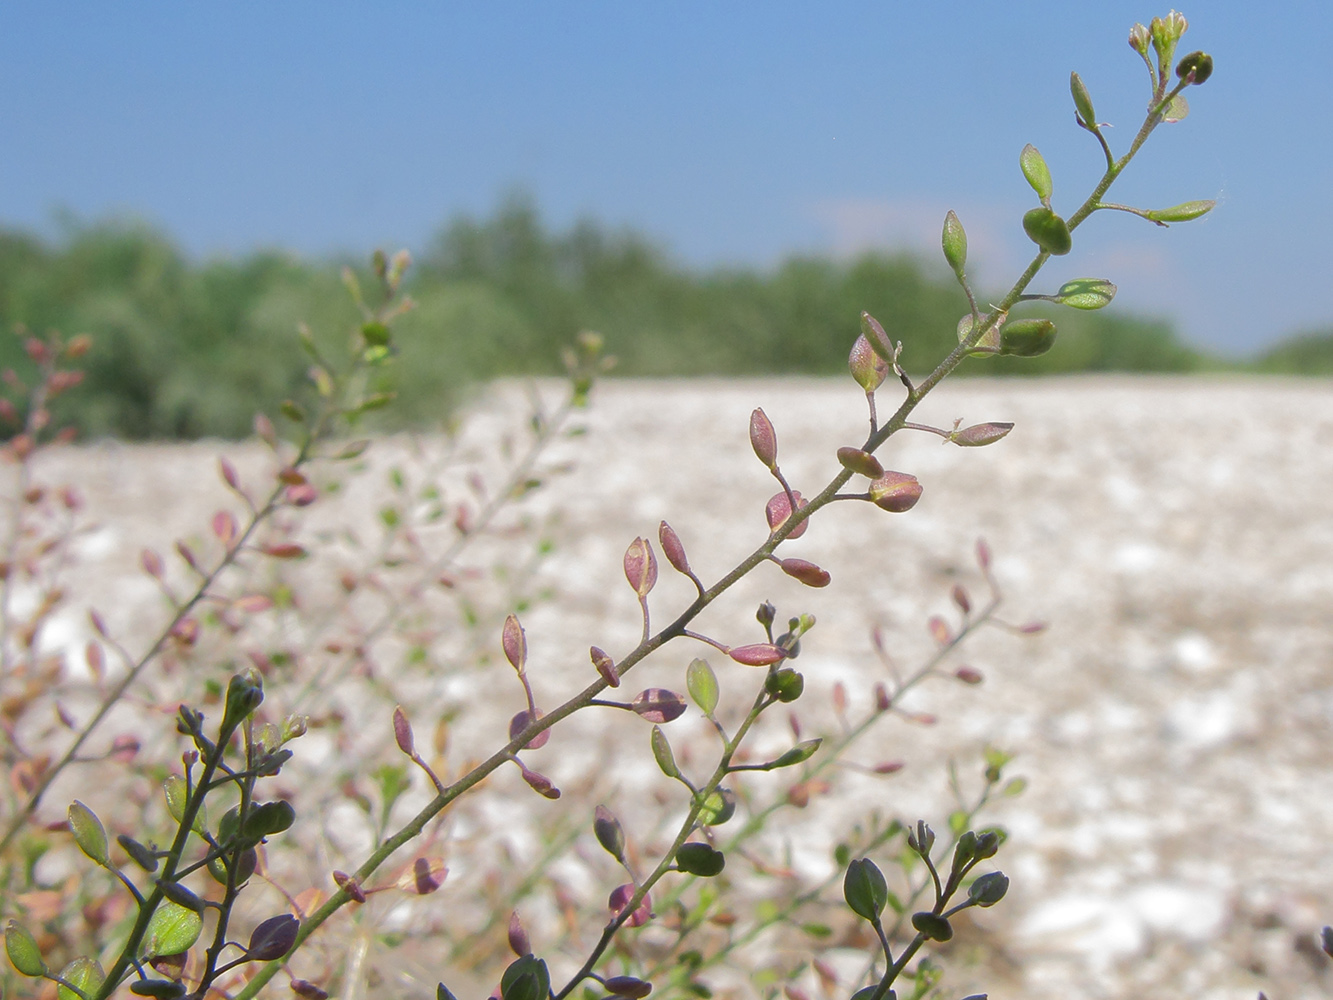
column 1174, row 723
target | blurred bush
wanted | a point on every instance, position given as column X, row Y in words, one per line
column 185, row 349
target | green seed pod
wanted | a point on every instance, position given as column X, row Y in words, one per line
column 161, row 989
column 1036, row 172
column 785, row 684
column 138, row 853
column 798, row 754
column 988, row 890
column 954, row 242
column 701, row 683
column 1027, row 338
column 606, row 828
column 1086, row 293
column 89, row 833
column 700, row 859
column 719, row 807
column 1184, row 212
column 1082, row 101
column 666, row 760
column 866, row 366
column 1198, row 63
column 375, row 334
column 21, row 947
column 933, row 926
column 864, row 889
column 1048, row 231
column 268, row 819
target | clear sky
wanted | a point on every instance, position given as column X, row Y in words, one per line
column 731, row 132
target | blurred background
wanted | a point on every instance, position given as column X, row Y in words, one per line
column 716, row 189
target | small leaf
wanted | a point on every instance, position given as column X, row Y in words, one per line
column 273, row 938
column 1036, row 172
column 864, row 889
column 85, row 975
column 1086, row 293
column 700, row 859
column 172, row 929
column 21, row 947
column 701, row 683
column 175, row 791
column 89, row 833
column 666, row 760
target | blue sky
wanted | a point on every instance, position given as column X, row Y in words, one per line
column 730, row 132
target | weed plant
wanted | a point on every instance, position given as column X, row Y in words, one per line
column 236, row 871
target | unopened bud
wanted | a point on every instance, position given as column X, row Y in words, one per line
column 1138, row 39
column 763, row 439
column 895, row 491
column 961, row 599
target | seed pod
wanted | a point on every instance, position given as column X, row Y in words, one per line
column 866, row 366
column 988, row 890
column 273, row 938
column 1086, row 293
column 700, row 859
column 605, row 666
column 874, row 332
column 980, row 435
column 1082, row 101
column 895, row 491
column 1184, row 212
column 666, row 760
column 785, row 684
column 89, row 833
column 760, row 654
column 658, row 705
column 1027, row 338
column 763, row 439
column 21, row 947
column 860, row 462
column 628, row 987
column 519, row 943
column 673, row 549
column 1048, row 231
column 606, row 828
column 933, row 926
column 640, row 566
column 954, row 242
column 515, row 643
column 778, row 509
column 805, row 571
column 1198, row 63
column 402, row 731
column 701, row 683
column 1037, row 173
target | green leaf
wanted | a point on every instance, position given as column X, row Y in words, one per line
column 1036, row 172
column 1086, row 293
column 85, row 975
column 1184, row 212
column 662, row 752
column 525, row 979
column 701, row 683
column 21, row 947
column 89, row 833
column 864, row 889
column 171, row 930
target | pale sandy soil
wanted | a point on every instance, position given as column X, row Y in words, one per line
column 1174, row 724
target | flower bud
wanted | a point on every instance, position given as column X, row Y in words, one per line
column 1027, row 338
column 866, row 366
column 1082, row 101
column 954, row 242
column 244, row 695
column 807, row 572
column 1138, row 39
column 895, row 491
column 1048, row 231
column 861, row 462
column 766, row 614
column 763, row 439
column 640, row 566
column 1037, row 173
column 778, row 510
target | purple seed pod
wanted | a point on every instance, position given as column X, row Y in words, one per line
column 605, row 666
column 895, row 491
column 764, row 439
column 520, row 722
column 640, row 566
column 861, row 462
column 658, row 705
column 518, row 937
column 778, row 510
column 619, row 899
column 515, row 643
column 760, row 654
column 402, row 732
column 807, row 572
column 672, row 548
